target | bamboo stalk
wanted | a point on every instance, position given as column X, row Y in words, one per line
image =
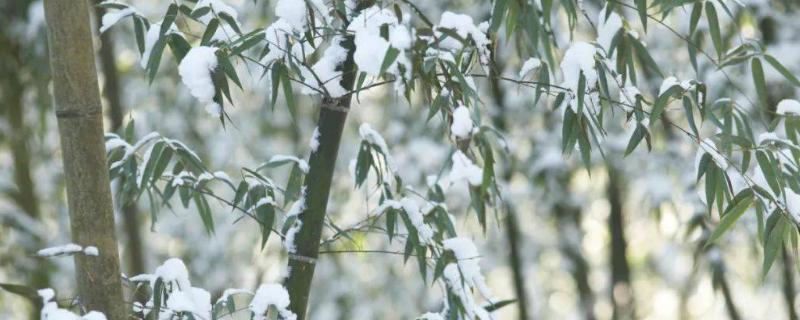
column 80, row 124
column 322, row 162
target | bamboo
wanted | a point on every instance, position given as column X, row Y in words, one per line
column 80, row 126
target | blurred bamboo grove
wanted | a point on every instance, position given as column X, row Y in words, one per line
column 372, row 159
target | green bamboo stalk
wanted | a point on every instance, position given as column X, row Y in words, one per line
column 80, row 124
column 322, row 162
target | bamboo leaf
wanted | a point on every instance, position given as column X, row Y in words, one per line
column 662, row 101
column 713, row 27
column 782, row 69
column 734, row 211
column 641, row 7
column 211, row 29
column 759, row 82
column 697, row 10
column 389, row 58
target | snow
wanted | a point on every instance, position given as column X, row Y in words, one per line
column 110, row 18
column 224, row 31
column 326, row 69
column 229, row 292
column 462, row 123
column 607, row 28
column 193, row 300
column 464, row 169
column 669, row 82
column 174, row 271
column 91, row 251
column 371, row 48
column 113, row 141
column 314, row 143
column 529, row 66
column 150, row 39
column 276, row 37
column 295, row 211
column 464, row 26
column 456, row 284
column 629, row 93
column 293, row 12
column 51, row 311
column 271, row 295
column 66, row 249
column 182, row 297
column 218, row 6
column 400, row 37
column 373, row 137
column 792, row 203
column 414, row 213
column 195, row 70
column 579, row 58
column 94, row 315
column 181, row 178
column 430, row 316
column 767, row 136
column 467, row 255
column 708, row 146
column 302, row 164
column 788, row 107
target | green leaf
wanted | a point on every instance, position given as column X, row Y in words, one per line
column 735, row 210
column 644, row 56
column 713, row 27
column 230, row 71
column 389, row 58
column 247, row 44
column 498, row 12
column 205, row 212
column 211, row 29
column 287, row 93
column 636, row 138
column 266, row 219
column 585, row 148
column 155, row 58
column 774, row 242
column 785, row 72
column 179, row 46
column 497, row 305
column 150, row 165
column 169, row 19
column 294, row 185
column 697, row 10
column 391, row 222
column 161, row 165
column 641, row 7
column 363, row 163
column 158, row 292
column 581, row 91
column 662, row 101
column 767, row 167
column 139, row 30
column 759, row 82
column 569, row 131
column 230, row 21
column 422, row 255
column 479, row 205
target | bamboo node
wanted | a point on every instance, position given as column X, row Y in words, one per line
column 308, row 260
